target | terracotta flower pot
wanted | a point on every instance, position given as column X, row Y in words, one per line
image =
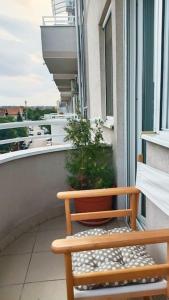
column 91, row 204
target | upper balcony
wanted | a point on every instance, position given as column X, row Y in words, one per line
column 58, row 34
column 66, row 96
column 62, row 6
column 63, row 81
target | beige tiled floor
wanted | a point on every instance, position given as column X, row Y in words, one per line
column 28, row 269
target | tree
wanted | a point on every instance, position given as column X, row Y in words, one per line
column 37, row 113
column 19, row 117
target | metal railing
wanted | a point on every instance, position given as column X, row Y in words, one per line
column 63, row 6
column 63, row 14
column 59, row 120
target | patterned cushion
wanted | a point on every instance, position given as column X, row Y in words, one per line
column 82, row 258
column 118, row 230
column 90, row 232
column 141, row 262
column 106, row 255
column 84, row 268
column 110, row 259
column 132, row 252
column 108, row 266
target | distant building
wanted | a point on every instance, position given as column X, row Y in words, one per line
column 11, row 111
column 2, row 112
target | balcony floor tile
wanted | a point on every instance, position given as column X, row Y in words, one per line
column 57, row 224
column 40, row 274
column 24, row 244
column 45, row 266
column 44, row 240
column 13, row 269
column 11, row 292
column 49, row 290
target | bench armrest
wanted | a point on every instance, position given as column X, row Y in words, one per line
column 97, row 193
column 112, row 241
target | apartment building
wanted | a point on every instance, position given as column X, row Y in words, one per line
column 120, row 55
column 127, row 71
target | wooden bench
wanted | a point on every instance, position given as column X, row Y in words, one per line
column 68, row 246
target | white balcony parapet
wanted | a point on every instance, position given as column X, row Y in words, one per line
column 58, row 20
column 10, row 156
column 28, row 138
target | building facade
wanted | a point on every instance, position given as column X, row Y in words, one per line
column 127, row 86
column 122, row 53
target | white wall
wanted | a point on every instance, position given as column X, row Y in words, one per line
column 94, row 9
column 95, row 14
column 157, row 157
column 28, row 192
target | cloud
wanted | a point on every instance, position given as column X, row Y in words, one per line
column 22, row 73
column 8, row 36
column 35, row 89
column 31, row 10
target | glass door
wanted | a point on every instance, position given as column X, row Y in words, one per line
column 140, row 85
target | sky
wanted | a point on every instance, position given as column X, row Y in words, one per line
column 23, row 74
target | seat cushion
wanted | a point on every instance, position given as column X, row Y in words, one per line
column 110, row 259
column 102, row 293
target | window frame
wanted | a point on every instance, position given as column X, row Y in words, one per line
column 160, row 124
column 135, row 92
column 109, row 119
column 165, row 73
column 158, row 20
column 161, row 74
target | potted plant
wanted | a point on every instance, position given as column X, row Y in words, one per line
column 89, row 164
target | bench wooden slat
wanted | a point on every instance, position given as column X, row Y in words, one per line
column 160, row 270
column 101, row 214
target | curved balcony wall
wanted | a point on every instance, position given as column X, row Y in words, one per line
column 28, row 185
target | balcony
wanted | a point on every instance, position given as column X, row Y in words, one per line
column 63, row 81
column 31, row 218
column 66, row 96
column 58, row 36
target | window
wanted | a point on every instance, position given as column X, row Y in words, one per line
column 108, row 67
column 108, row 64
column 140, row 83
column 165, row 72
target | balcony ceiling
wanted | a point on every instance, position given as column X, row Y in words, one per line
column 64, row 88
column 64, row 79
column 66, row 96
column 59, row 49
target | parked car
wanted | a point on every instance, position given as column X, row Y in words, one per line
column 23, row 146
column 39, row 133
